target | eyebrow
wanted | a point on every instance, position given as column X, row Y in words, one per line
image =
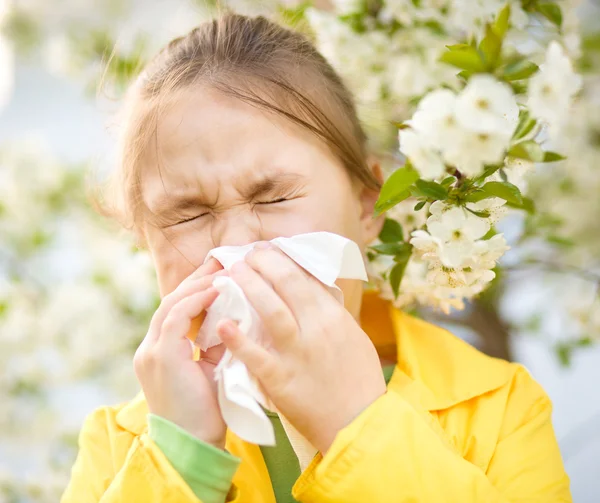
column 278, row 183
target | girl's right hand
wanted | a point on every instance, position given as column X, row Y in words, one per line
column 176, row 387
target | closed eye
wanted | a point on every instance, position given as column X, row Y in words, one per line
column 188, row 220
column 280, row 200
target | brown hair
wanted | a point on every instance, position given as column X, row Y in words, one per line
column 252, row 59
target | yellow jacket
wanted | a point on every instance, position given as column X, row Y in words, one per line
column 454, row 426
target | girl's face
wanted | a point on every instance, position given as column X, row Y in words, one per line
column 231, row 174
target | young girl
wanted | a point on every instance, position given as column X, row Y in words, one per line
column 241, row 132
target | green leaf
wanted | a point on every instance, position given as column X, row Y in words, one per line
column 478, row 195
column 459, row 47
column 527, row 205
column 293, row 15
column 395, row 188
column 489, row 171
column 489, row 234
column 397, row 272
column 529, row 150
column 383, row 206
column 518, row 87
column 563, row 351
column 356, row 21
column 490, row 47
column 446, row 182
column 552, row 12
column 560, row 241
column 431, row 189
column 553, row 157
column 519, row 70
column 481, row 214
column 400, row 125
column 525, row 125
column 391, row 232
column 502, row 19
column 404, row 252
column 504, row 190
column 464, row 57
column 419, row 205
column 584, row 342
column 388, row 248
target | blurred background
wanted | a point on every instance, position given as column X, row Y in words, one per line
column 76, row 295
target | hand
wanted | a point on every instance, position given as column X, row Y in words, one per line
column 176, row 387
column 320, row 369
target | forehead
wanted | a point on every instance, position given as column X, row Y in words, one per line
column 205, row 137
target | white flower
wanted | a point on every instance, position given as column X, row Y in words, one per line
column 450, row 237
column 410, row 219
column 487, row 105
column 400, row 10
column 489, row 251
column 551, row 89
column 494, row 206
column 435, row 119
column 427, row 245
column 59, row 54
column 472, row 151
column 422, row 155
column 437, row 208
column 457, row 229
column 348, row 6
column 472, row 129
column 516, row 170
column 471, row 15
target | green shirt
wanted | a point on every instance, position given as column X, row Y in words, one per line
column 209, row 470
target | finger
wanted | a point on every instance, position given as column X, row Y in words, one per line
column 211, row 266
column 186, row 288
column 178, row 321
column 298, row 289
column 259, row 361
column 276, row 316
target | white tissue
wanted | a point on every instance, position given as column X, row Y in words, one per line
column 327, row 257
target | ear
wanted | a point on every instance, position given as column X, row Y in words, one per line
column 370, row 225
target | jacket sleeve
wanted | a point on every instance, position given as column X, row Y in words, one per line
column 392, row 452
column 111, row 468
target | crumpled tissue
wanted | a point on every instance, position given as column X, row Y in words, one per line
column 325, row 255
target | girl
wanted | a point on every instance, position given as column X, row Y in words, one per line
column 238, row 132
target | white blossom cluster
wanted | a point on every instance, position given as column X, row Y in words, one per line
column 567, row 205
column 454, row 129
column 552, row 89
column 467, row 130
column 74, row 304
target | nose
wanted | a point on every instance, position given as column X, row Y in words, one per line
column 236, row 228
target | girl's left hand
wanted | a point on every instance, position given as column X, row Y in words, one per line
column 322, row 369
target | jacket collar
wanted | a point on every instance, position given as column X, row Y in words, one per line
column 442, row 368
column 439, row 369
